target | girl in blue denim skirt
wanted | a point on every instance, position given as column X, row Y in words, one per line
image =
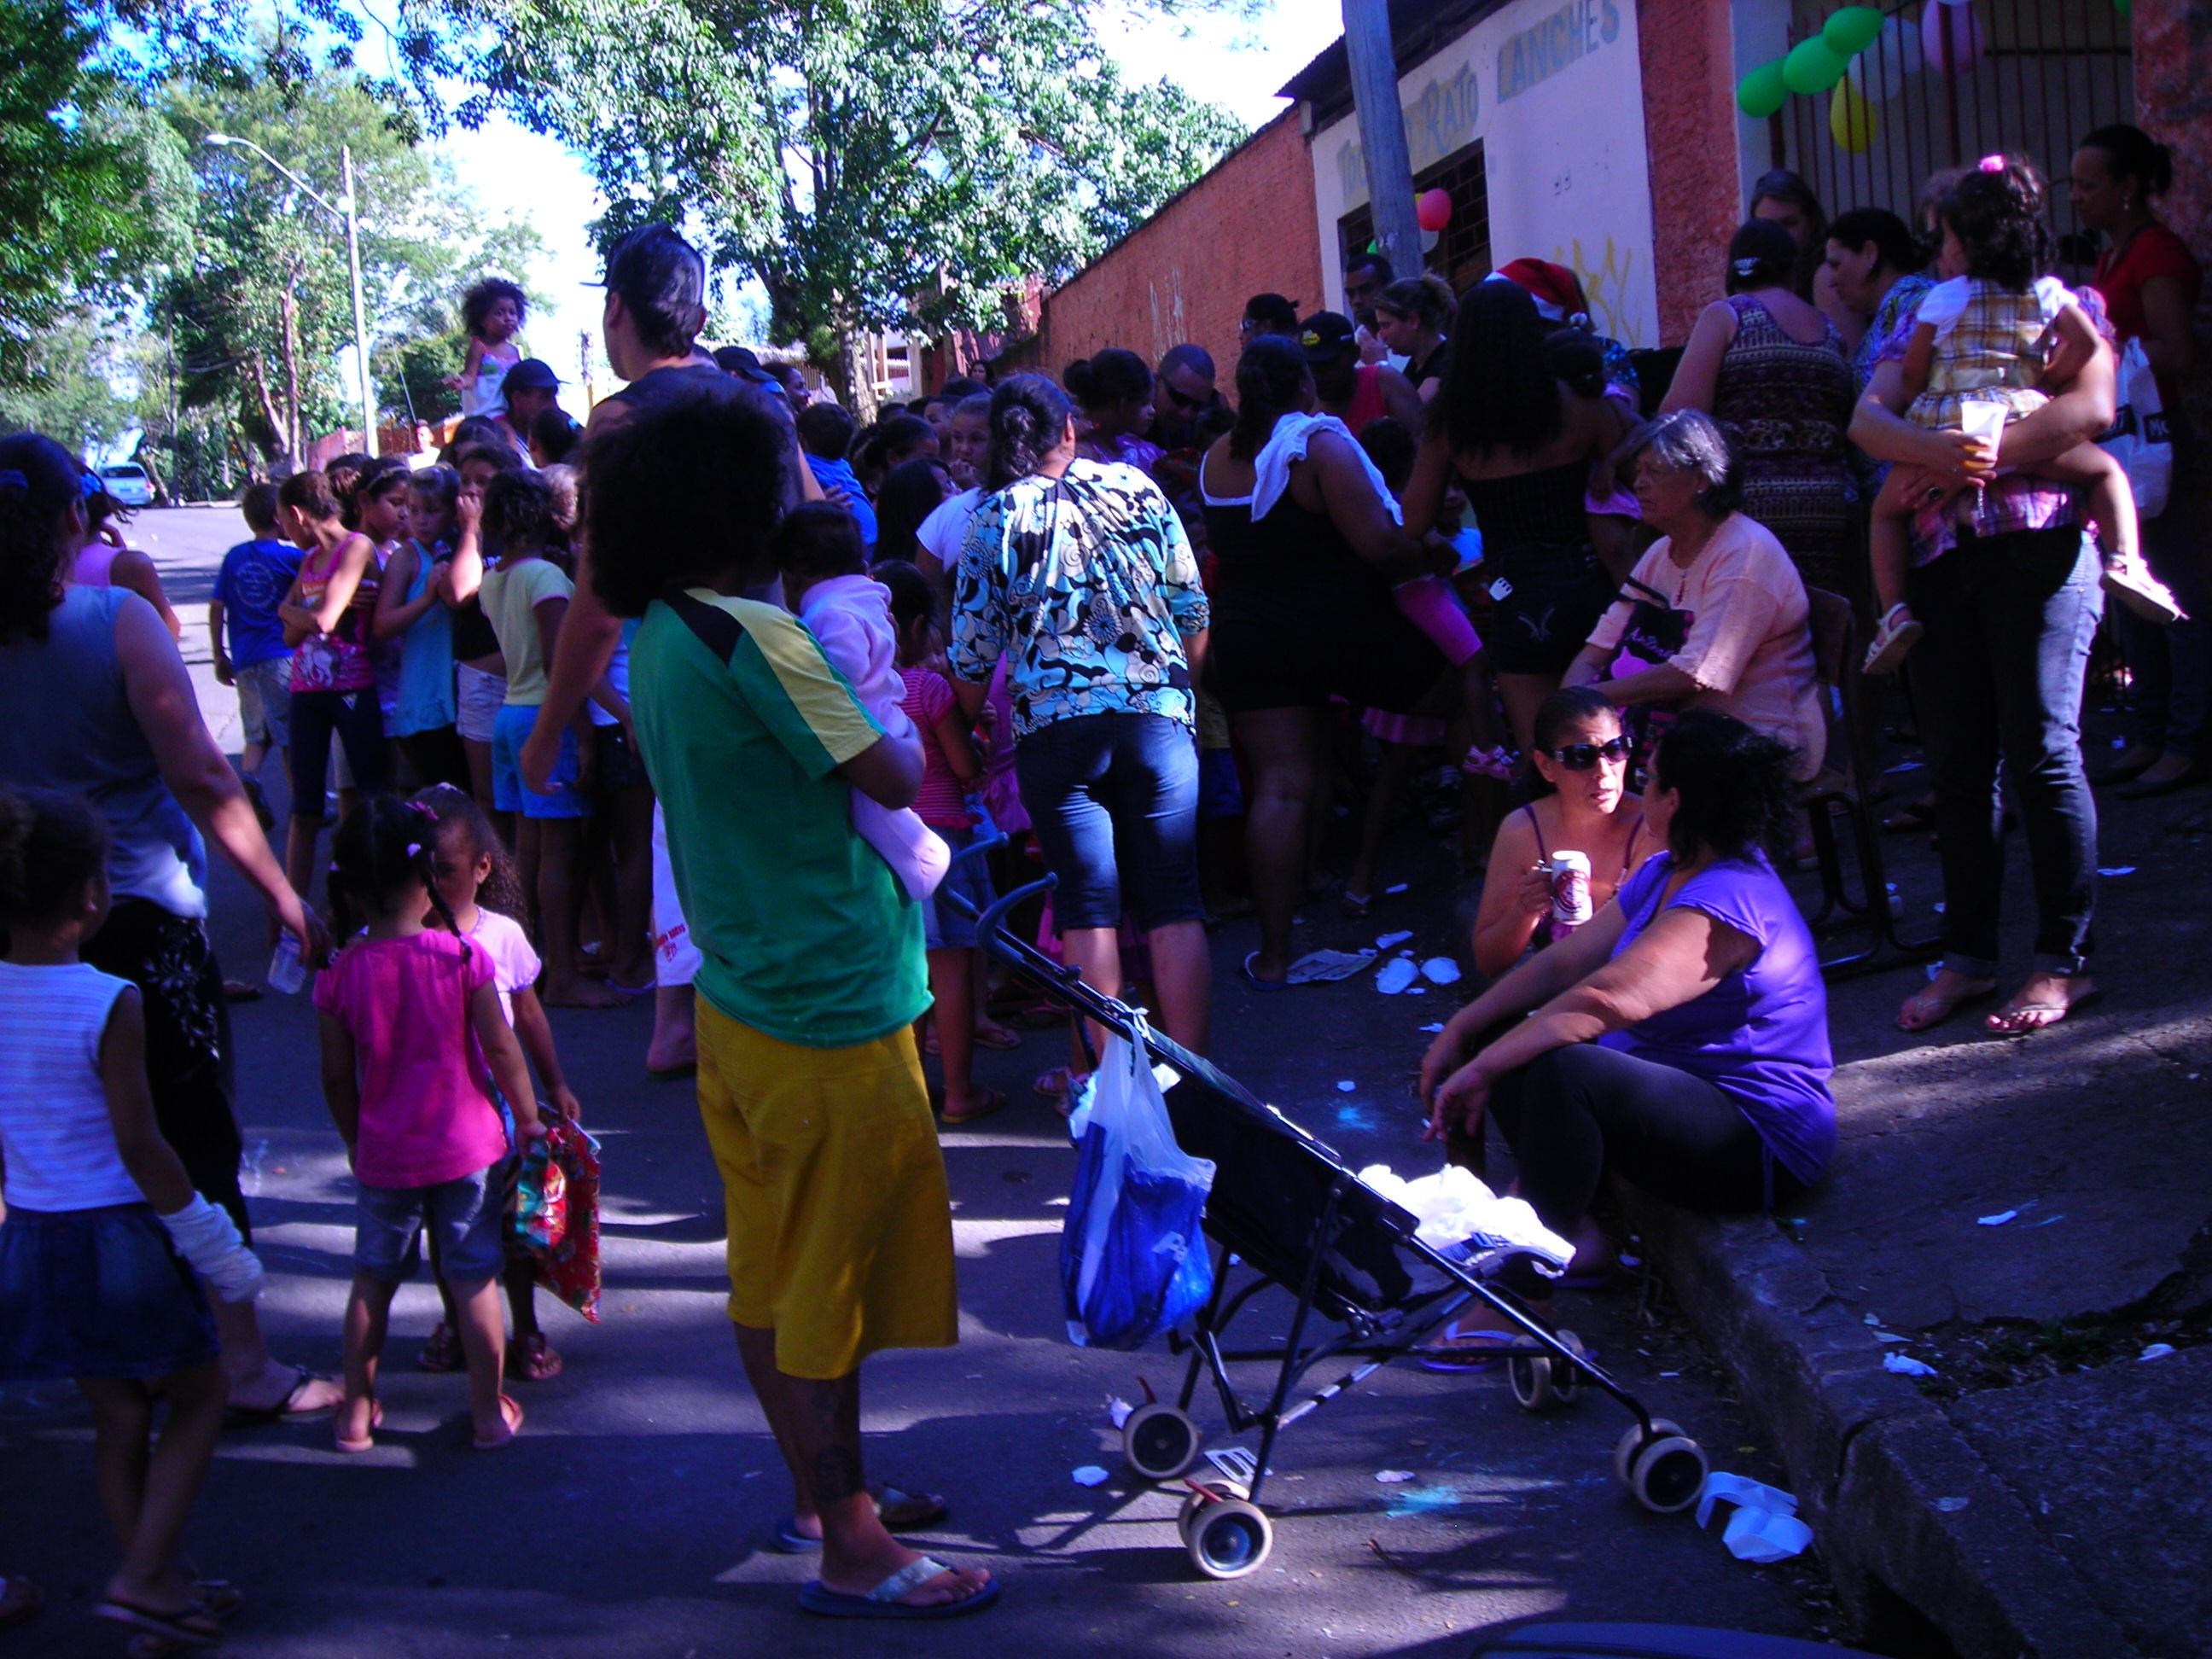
column 102, row 1219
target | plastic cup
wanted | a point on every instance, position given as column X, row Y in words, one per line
column 287, row 972
column 1984, row 423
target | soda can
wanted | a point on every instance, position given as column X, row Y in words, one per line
column 1571, row 889
column 287, row 973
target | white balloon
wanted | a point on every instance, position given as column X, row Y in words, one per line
column 1879, row 73
column 1430, row 239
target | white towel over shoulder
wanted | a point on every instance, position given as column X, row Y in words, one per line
column 1287, row 443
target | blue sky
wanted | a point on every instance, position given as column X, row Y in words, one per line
column 1238, row 63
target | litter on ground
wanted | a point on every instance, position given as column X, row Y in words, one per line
column 1440, row 970
column 1393, row 1477
column 1904, row 1365
column 1091, row 1475
column 1996, row 1220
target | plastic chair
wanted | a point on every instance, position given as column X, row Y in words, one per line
column 1840, row 792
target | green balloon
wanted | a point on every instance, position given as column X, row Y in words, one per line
column 2125, row 7
column 1852, row 30
column 1761, row 93
column 1812, row 66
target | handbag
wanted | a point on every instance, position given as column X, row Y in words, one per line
column 2139, row 439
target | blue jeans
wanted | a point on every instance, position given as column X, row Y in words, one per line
column 1113, row 800
column 1999, row 677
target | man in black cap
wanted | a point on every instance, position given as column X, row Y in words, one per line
column 1355, row 392
column 531, row 387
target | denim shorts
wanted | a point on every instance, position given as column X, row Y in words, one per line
column 1113, row 801
column 946, row 926
column 509, row 794
column 464, row 1215
column 264, row 700
column 477, row 699
column 97, row 1292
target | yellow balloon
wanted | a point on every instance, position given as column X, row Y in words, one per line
column 1853, row 122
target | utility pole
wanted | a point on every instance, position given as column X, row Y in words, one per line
column 1382, row 132
column 360, row 322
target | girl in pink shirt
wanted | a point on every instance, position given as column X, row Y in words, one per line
column 413, row 1036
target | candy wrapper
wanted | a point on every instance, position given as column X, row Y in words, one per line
column 557, row 1214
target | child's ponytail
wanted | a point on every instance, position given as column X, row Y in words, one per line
column 384, row 845
column 51, row 844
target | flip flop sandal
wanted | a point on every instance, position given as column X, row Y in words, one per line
column 644, row 990
column 2059, row 1011
column 789, row 1540
column 242, row 1417
column 188, row 1627
column 534, row 1359
column 998, row 1037
column 1356, row 905
column 1256, row 981
column 1939, row 1008
column 1052, row 1084
column 992, row 1101
column 883, row 1601
column 1472, row 1351
column 220, row 1599
column 510, row 1425
column 368, row 1442
column 442, row 1352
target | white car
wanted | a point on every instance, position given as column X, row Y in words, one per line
column 127, row 482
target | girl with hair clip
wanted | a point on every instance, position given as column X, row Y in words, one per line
column 1991, row 334
column 414, row 1040
column 483, row 893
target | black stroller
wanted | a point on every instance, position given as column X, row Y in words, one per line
column 1284, row 1210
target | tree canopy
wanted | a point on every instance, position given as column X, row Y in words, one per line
column 858, row 157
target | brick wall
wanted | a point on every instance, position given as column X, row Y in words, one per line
column 1246, row 228
column 1690, row 130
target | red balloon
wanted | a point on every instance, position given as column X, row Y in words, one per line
column 1434, row 210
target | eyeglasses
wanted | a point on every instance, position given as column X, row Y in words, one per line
column 1580, row 756
column 1183, row 400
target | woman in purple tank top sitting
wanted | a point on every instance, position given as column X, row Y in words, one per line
column 1679, row 1040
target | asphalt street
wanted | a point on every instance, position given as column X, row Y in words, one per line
column 633, row 1515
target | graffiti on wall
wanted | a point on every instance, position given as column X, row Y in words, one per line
column 1606, row 285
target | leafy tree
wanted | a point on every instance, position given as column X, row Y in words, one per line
column 88, row 182
column 261, row 316
column 872, row 162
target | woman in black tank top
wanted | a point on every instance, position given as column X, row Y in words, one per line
column 1522, row 445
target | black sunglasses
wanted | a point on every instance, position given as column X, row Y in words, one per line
column 1183, row 400
column 1580, row 756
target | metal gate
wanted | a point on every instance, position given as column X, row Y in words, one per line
column 2049, row 72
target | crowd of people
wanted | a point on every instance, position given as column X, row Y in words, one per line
column 726, row 698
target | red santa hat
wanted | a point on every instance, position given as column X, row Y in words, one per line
column 1557, row 291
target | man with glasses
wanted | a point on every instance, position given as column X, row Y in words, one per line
column 1187, row 396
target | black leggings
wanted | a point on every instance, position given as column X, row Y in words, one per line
column 357, row 722
column 1575, row 1113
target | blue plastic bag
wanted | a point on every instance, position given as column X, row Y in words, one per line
column 1132, row 1263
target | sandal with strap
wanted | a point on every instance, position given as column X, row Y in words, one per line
column 533, row 1359
column 1896, row 636
column 2130, row 581
column 442, row 1352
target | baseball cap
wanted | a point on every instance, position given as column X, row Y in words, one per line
column 1325, row 336
column 532, row 375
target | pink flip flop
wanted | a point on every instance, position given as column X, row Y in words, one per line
column 511, row 1425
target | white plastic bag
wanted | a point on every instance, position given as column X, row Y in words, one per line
column 2139, row 440
column 1133, row 1262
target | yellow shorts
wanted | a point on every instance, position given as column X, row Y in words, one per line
column 840, row 1221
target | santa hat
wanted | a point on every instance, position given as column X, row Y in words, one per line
column 1557, row 291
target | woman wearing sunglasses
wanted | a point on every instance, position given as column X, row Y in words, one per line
column 1714, row 615
column 1581, row 766
column 1679, row 1040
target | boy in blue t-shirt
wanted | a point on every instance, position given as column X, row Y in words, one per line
column 255, row 577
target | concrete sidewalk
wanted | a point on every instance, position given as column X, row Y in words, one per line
column 2045, row 1491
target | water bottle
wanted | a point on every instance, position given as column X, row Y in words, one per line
column 287, row 973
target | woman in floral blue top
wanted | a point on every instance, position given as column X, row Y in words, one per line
column 1078, row 573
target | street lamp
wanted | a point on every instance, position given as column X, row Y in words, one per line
column 344, row 207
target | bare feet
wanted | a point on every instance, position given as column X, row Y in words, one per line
column 579, row 994
column 1943, row 997
column 2045, row 1001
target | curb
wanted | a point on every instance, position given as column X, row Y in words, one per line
column 1922, row 1539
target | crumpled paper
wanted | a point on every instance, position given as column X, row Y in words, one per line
column 1764, row 1527
column 1454, row 1206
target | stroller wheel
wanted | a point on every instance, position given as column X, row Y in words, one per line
column 1229, row 1539
column 1542, row 1384
column 1159, row 1441
column 1632, row 1441
column 1195, row 1503
column 1668, row 1474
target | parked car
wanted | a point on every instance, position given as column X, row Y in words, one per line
column 126, row 480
